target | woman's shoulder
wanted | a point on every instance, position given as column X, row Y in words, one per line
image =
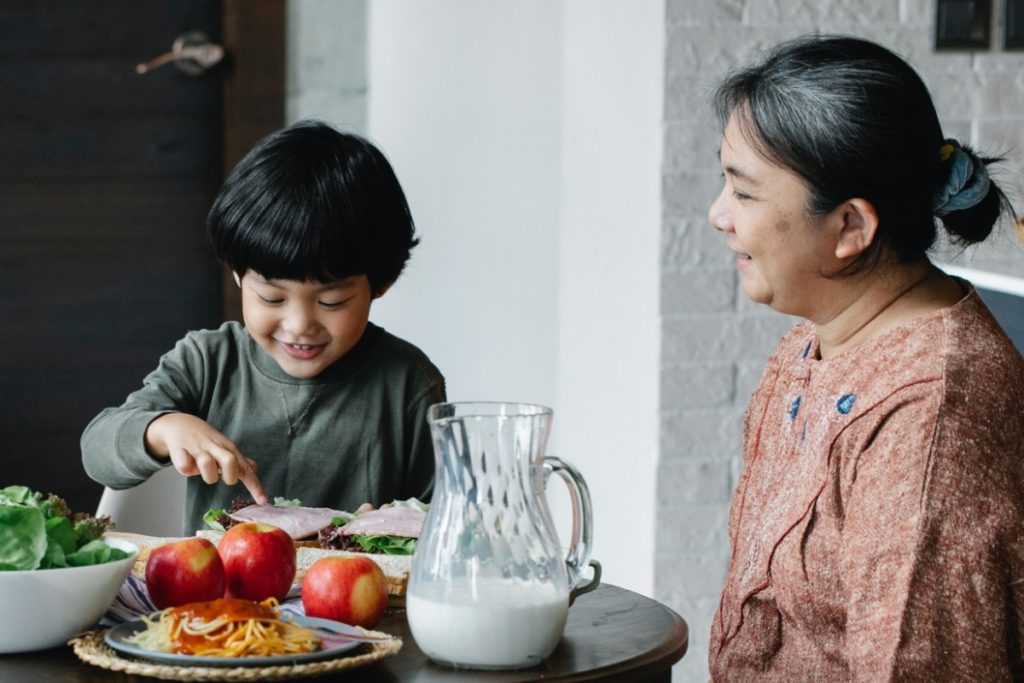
column 961, row 347
column 983, row 372
column 973, row 338
column 959, row 372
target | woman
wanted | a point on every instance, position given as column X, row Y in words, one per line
column 877, row 529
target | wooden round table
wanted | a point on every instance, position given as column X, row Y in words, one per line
column 612, row 635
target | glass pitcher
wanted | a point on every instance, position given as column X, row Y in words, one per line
column 489, row 588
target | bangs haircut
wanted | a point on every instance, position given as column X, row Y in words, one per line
column 312, row 204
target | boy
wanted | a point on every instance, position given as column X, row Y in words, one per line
column 323, row 405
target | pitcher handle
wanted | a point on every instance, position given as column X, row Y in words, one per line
column 581, row 542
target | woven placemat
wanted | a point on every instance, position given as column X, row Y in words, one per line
column 91, row 648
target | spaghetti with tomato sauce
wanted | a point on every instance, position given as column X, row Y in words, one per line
column 227, row 627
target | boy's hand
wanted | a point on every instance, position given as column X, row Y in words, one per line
column 194, row 447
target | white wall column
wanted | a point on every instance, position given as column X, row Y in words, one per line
column 608, row 284
column 527, row 136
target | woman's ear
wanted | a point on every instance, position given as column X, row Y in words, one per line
column 859, row 226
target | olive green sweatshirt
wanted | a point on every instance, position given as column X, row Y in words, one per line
column 356, row 433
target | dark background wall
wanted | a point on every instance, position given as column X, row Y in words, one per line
column 105, row 182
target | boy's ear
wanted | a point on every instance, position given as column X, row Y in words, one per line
column 381, row 290
column 858, row 227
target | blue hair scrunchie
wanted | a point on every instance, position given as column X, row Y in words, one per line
column 967, row 184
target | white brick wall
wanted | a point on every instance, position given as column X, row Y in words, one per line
column 714, row 342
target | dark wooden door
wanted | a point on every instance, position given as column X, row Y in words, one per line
column 106, row 177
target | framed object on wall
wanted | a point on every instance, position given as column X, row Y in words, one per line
column 963, row 24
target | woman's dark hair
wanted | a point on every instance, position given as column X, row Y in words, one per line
column 310, row 203
column 852, row 119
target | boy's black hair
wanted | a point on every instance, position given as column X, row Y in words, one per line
column 310, row 203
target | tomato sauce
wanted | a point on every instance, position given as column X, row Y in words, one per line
column 197, row 614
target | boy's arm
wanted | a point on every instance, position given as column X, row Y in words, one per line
column 419, row 471
column 113, row 446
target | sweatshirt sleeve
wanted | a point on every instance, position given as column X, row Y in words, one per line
column 113, row 450
column 418, row 481
column 926, row 551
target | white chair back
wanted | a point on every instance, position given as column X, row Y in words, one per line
column 154, row 507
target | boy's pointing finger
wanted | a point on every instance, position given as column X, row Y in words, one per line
column 252, row 483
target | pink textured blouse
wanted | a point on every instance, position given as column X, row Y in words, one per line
column 877, row 529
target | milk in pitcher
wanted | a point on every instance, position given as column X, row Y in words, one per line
column 494, row 623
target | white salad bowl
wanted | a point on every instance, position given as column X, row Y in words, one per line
column 42, row 608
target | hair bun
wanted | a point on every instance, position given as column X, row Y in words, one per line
column 967, row 182
column 968, row 203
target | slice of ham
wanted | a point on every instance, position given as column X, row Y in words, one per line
column 387, row 521
column 297, row 522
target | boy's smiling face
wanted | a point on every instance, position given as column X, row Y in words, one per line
column 305, row 326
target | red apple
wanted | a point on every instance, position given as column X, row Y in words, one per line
column 346, row 588
column 259, row 561
column 184, row 571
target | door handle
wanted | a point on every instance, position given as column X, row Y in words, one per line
column 192, row 53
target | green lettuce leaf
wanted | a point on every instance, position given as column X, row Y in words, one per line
column 22, row 537
column 61, row 533
column 94, row 552
column 211, row 518
column 287, row 502
column 55, row 558
column 388, row 545
column 19, row 495
column 38, row 532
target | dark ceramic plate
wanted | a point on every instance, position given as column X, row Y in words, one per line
column 332, row 647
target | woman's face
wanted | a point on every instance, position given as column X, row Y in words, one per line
column 762, row 209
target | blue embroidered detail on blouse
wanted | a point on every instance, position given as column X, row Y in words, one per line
column 793, row 408
column 807, row 349
column 845, row 403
